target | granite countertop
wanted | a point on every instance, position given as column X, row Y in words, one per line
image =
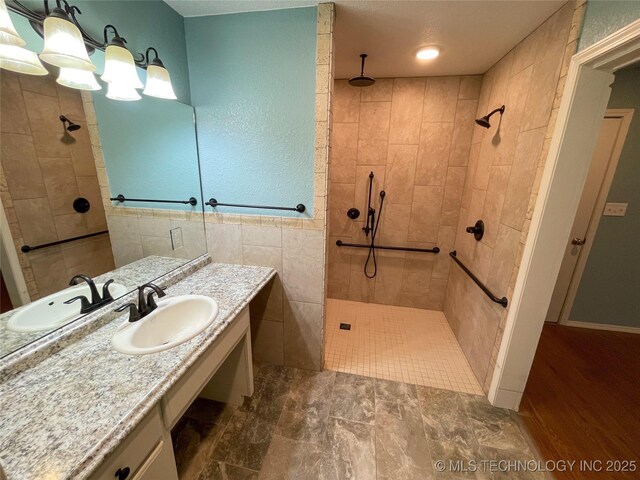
column 62, row 417
column 131, row 275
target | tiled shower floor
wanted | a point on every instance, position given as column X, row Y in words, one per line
column 396, row 343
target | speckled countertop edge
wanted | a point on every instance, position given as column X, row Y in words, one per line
column 39, row 349
column 87, row 420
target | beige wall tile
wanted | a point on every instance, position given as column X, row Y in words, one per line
column 417, row 272
column 388, row 282
column 346, row 102
column 524, row 54
column 263, row 236
column 21, row 167
column 436, row 294
column 406, row 110
column 380, row 91
column 267, row 341
column 372, row 152
column 446, row 242
column 361, row 288
column 12, row 109
column 521, row 179
column 494, row 202
column 339, row 268
column 70, row 225
column 503, row 260
column 463, row 132
column 90, row 189
column 154, row 227
column 433, row 153
column 36, row 221
column 470, row 87
column 303, row 335
column 43, row 112
column 374, row 121
column 303, row 265
column 61, row 185
column 341, row 199
column 269, row 302
column 425, row 214
column 39, row 84
column 49, row 270
column 71, row 105
column 362, row 187
column 51, row 143
column 156, row 246
column 262, row 256
column 453, row 196
column 400, row 173
column 224, row 242
column 441, row 98
column 344, row 152
column 394, row 224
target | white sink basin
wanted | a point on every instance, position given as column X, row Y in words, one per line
column 51, row 312
column 176, row 320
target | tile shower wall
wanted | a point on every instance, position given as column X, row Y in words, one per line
column 414, row 134
column 504, row 172
column 44, row 168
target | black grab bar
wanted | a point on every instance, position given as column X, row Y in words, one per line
column 300, row 208
column 340, row 243
column 502, row 301
column 121, row 198
column 27, row 248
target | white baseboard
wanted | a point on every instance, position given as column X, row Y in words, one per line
column 601, row 326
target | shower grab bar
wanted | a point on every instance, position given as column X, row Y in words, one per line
column 340, row 243
column 27, row 248
column 502, row 301
column 121, row 198
column 300, row 208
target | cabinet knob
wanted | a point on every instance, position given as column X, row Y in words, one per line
column 579, row 241
column 122, row 473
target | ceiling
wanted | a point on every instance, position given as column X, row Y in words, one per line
column 472, row 35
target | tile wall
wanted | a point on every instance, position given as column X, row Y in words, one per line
column 44, row 168
column 504, row 172
column 414, row 134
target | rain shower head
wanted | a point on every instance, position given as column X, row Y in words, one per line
column 484, row 121
column 72, row 127
column 362, row 80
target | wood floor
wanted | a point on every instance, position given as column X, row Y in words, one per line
column 582, row 400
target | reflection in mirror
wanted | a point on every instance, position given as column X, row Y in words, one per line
column 64, row 156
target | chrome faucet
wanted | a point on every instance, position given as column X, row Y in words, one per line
column 145, row 306
column 97, row 301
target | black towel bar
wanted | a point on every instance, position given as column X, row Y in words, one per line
column 300, row 208
column 340, row 243
column 27, row 248
column 121, row 198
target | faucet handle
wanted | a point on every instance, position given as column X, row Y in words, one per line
column 106, row 294
column 134, row 315
column 85, row 306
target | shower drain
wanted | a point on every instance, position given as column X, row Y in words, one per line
column 345, row 326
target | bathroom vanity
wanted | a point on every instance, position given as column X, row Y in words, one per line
column 88, row 411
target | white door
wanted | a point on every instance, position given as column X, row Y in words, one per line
column 603, row 166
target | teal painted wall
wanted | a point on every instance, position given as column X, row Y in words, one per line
column 603, row 17
column 150, row 150
column 253, row 87
column 609, row 290
column 143, row 24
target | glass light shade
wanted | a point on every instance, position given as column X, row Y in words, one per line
column 21, row 60
column 120, row 68
column 78, row 79
column 159, row 83
column 64, row 46
column 122, row 92
column 8, row 33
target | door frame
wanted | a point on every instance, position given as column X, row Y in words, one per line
column 581, row 112
column 12, row 271
column 626, row 114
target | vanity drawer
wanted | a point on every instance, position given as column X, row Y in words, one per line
column 134, row 449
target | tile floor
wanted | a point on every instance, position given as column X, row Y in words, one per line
column 306, row 425
column 396, row 343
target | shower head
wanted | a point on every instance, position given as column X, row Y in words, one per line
column 484, row 121
column 72, row 127
column 362, row 80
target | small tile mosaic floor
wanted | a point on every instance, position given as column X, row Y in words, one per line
column 396, row 343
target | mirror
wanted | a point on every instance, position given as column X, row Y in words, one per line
column 58, row 219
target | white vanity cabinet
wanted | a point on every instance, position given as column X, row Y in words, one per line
column 223, row 373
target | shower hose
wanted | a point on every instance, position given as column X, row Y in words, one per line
column 372, row 247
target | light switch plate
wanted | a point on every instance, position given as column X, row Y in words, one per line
column 615, row 209
column 176, row 238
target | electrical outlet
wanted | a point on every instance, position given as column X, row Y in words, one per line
column 615, row 209
column 176, row 238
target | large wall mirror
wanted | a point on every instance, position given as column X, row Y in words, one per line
column 92, row 188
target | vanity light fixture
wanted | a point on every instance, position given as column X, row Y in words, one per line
column 63, row 42
column 13, row 55
column 119, row 66
column 158, row 79
column 427, row 53
column 78, row 79
column 121, row 91
column 8, row 33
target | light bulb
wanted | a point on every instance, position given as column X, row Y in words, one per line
column 78, row 79
column 63, row 43
column 123, row 92
column 159, row 83
column 8, row 33
column 21, row 60
column 120, row 68
column 428, row 53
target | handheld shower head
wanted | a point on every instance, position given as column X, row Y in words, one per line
column 72, row 127
column 362, row 80
column 484, row 121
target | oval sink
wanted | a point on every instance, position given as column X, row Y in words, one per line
column 176, row 320
column 51, row 312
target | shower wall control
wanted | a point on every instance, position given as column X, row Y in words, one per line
column 477, row 230
column 353, row 213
